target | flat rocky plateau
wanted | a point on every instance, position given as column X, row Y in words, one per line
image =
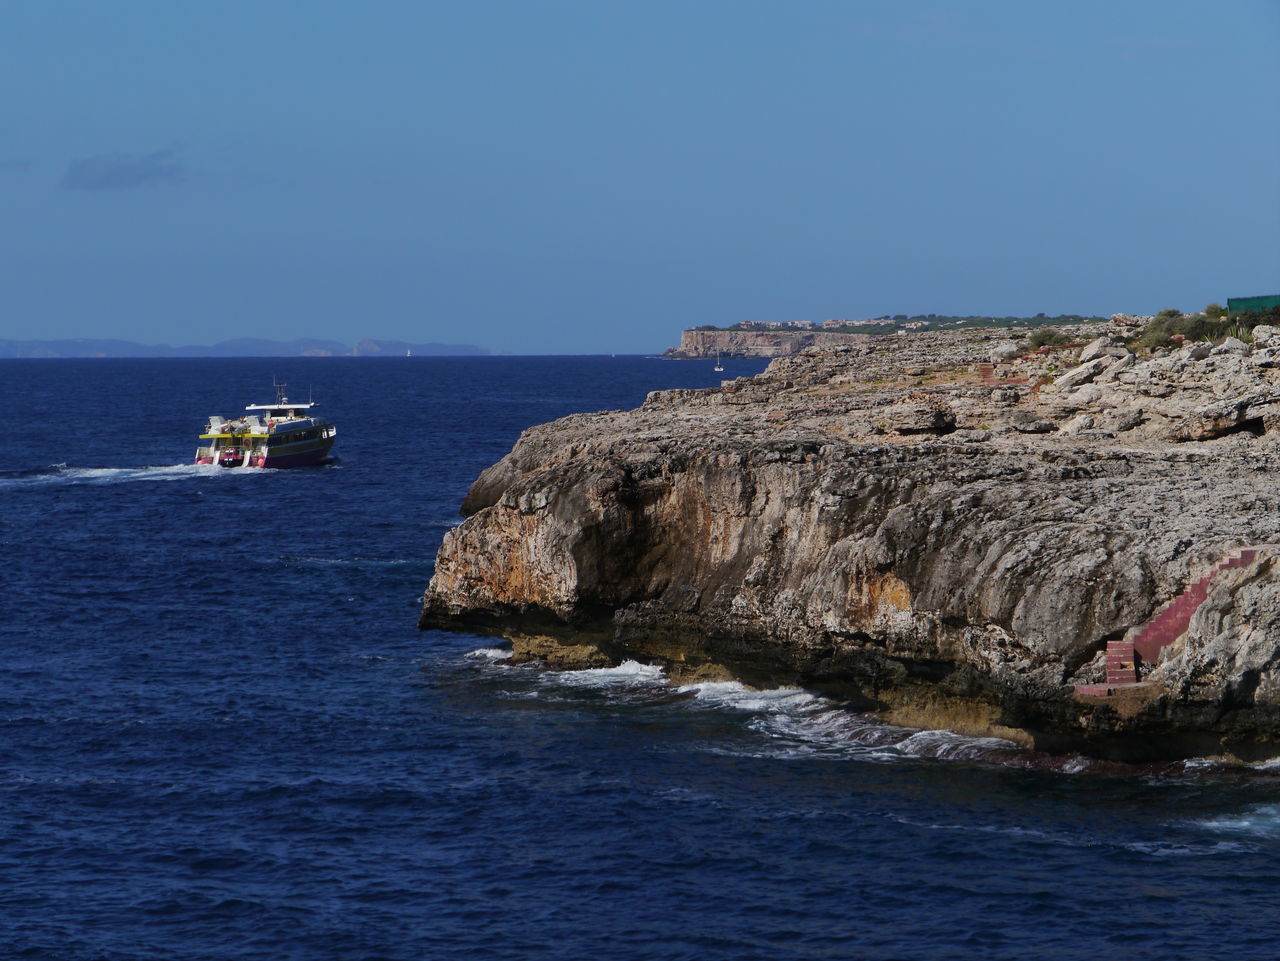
column 946, row 528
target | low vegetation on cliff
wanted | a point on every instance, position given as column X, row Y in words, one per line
column 889, row 324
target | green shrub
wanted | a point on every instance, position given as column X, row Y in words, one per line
column 1195, row 327
column 1046, row 337
column 1252, row 318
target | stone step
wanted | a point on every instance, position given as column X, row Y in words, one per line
column 1122, row 665
column 1168, row 623
column 1107, row 690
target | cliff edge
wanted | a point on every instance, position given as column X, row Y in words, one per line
column 698, row 343
column 951, row 531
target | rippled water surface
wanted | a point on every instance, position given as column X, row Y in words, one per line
column 221, row 735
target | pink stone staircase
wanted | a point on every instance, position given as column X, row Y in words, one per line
column 1168, row 624
column 1122, row 666
column 990, row 374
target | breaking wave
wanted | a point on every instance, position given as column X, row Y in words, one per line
column 791, row 723
column 490, row 654
column 1258, row 821
column 795, row 723
column 788, row 722
column 628, row 674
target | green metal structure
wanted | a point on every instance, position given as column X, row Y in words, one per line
column 1240, row 305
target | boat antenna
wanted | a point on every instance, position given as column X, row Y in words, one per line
column 280, row 398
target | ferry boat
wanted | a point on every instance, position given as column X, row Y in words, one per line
column 283, row 434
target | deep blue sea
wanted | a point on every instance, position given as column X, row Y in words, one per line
column 222, row 736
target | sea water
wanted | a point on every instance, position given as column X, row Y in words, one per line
column 221, row 735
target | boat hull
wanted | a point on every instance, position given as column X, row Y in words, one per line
column 301, row 458
column 307, row 454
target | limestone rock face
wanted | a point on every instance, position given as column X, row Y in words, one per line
column 938, row 553
column 1230, row 657
column 757, row 343
column 1265, row 334
column 1096, row 348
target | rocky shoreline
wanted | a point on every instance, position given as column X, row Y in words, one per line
column 949, row 529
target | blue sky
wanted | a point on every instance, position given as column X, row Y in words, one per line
column 579, row 177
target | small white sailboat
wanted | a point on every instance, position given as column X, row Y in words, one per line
column 719, row 366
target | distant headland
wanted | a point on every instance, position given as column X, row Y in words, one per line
column 239, row 347
column 779, row 338
column 782, row 338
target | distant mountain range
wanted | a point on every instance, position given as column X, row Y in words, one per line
column 240, row 347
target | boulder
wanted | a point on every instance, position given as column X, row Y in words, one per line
column 1267, row 356
column 1123, row 363
column 1126, row 418
column 1231, row 346
column 1265, row 335
column 1130, row 321
column 1223, row 417
column 1095, row 349
column 1005, row 395
column 909, row 417
column 1005, row 350
column 1082, row 374
column 1081, row 422
column 1025, row 422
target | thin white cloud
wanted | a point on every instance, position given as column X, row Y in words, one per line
column 119, row 171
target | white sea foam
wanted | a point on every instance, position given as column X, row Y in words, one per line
column 793, row 723
column 491, row 653
column 952, row 746
column 797, row 724
column 1262, row 820
column 371, row 563
column 828, row 724
column 805, row 723
column 1004, row 829
column 1075, row 764
column 626, row 674
column 59, row 474
column 1170, row 849
column 1201, row 764
column 732, row 694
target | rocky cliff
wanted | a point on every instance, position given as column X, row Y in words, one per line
column 945, row 528
column 756, row 343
